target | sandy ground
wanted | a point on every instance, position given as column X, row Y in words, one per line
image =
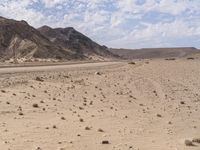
column 152, row 105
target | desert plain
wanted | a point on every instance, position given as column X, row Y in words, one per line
column 145, row 105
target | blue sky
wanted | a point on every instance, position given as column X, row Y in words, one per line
column 116, row 23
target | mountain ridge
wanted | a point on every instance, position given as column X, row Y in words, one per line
column 73, row 40
column 20, row 40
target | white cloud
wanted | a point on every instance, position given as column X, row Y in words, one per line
column 17, row 9
column 155, row 35
column 52, row 3
column 121, row 23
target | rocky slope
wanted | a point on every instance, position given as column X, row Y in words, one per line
column 19, row 40
column 76, row 42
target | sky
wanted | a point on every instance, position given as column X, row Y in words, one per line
column 116, row 23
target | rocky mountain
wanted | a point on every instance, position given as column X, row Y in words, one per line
column 75, row 42
column 149, row 53
column 20, row 40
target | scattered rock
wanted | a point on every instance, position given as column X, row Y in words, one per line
column 20, row 113
column 97, row 73
column 35, row 105
column 155, row 93
column 196, row 140
column 39, row 79
column 126, row 117
column 81, row 108
column 159, row 115
column 169, row 122
column 54, row 127
column 38, row 148
column 81, row 120
column 91, row 102
column 87, row 128
column 132, row 63
column 182, row 102
column 190, row 58
column 3, row 91
column 105, row 142
column 170, row 59
column 19, row 108
column 100, row 130
column 188, row 143
column 63, row 118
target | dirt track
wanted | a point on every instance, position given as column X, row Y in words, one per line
column 13, row 69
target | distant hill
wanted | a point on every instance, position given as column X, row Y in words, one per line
column 148, row 53
column 20, row 40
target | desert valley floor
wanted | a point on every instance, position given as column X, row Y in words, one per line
column 149, row 105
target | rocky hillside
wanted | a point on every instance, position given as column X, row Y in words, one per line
column 76, row 42
column 19, row 40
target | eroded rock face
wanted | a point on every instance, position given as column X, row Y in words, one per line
column 76, row 42
column 18, row 39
